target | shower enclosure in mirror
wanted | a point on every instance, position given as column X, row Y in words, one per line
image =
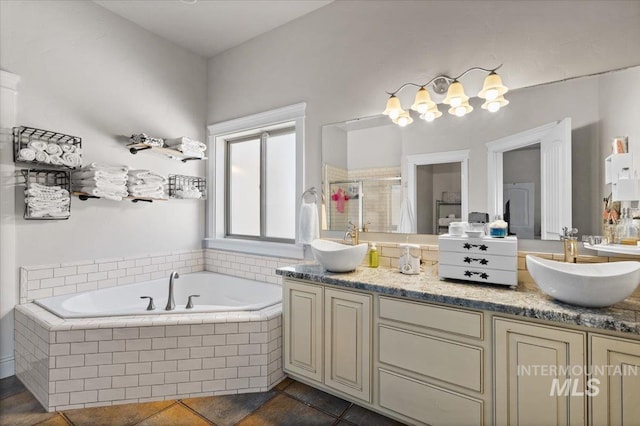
column 600, row 107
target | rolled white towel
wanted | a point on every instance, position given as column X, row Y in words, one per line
column 146, row 175
column 189, row 193
column 107, row 168
column 67, row 147
column 71, row 159
column 38, row 145
column 42, row 157
column 145, row 187
column 56, row 160
column 54, row 149
column 27, row 154
column 192, row 153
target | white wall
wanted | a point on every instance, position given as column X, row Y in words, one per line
column 374, row 148
column 88, row 72
column 342, row 58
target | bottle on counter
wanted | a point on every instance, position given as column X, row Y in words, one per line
column 374, row 260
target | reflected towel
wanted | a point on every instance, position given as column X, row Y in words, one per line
column 308, row 223
column 406, row 217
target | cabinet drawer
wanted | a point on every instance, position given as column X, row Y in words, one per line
column 495, row 246
column 484, row 261
column 440, row 359
column 427, row 403
column 489, row 276
column 465, row 323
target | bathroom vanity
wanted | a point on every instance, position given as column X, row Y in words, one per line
column 426, row 351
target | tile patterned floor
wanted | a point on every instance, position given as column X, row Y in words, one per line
column 289, row 403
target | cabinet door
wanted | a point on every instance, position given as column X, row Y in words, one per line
column 302, row 313
column 539, row 374
column 347, row 359
column 615, row 371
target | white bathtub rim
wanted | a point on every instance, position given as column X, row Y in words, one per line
column 53, row 322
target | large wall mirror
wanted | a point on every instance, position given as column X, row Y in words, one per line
column 417, row 179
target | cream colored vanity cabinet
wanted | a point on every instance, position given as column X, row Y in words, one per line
column 431, row 363
column 327, row 337
column 615, row 375
column 302, row 311
column 539, row 374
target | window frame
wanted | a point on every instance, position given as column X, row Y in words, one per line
column 216, row 226
column 263, row 136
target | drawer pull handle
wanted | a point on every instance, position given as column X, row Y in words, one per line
column 469, row 246
column 482, row 275
column 480, row 260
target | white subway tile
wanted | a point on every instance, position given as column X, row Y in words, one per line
column 192, row 387
column 99, row 334
column 249, row 327
column 213, row 385
column 226, row 328
column 176, row 377
column 226, row 373
column 228, row 350
column 126, row 280
column 125, row 357
column 107, row 266
column 248, row 371
column 124, row 381
column 202, row 329
column 151, row 379
column 138, row 392
column 51, row 282
column 98, row 359
column 164, row 343
column 143, row 262
column 238, row 361
column 214, row 340
column 138, row 368
column 126, row 264
column 107, row 283
column 258, row 382
column 146, row 332
column 87, row 269
column 237, row 339
column 66, row 289
column 190, row 364
column 117, row 273
column 157, row 355
column 125, row 333
column 171, row 354
column 190, row 341
column 58, row 399
column 162, row 390
column 237, row 383
column 111, row 370
column 97, row 383
column 84, row 372
column 111, row 346
column 93, row 285
column 177, row 330
column 164, row 366
column 84, row 348
column 202, row 352
column 254, row 349
column 75, row 279
column 83, row 397
column 39, row 274
column 97, row 276
column 69, row 361
column 56, row 374
column 69, row 386
column 64, row 272
column 57, row 349
column 110, row 394
column 138, row 345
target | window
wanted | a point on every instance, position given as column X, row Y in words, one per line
column 258, row 180
column 261, row 186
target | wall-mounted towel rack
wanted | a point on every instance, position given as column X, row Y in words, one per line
column 179, row 183
column 311, row 191
column 49, row 178
column 23, row 136
column 83, row 196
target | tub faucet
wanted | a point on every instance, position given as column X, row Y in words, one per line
column 171, row 304
column 570, row 244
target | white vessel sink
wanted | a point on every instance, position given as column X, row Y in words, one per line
column 592, row 285
column 336, row 257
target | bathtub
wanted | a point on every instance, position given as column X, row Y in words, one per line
column 218, row 293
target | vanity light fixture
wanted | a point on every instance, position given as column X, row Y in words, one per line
column 492, row 92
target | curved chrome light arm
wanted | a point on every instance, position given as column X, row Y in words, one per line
column 446, row 77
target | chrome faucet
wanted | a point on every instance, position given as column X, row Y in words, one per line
column 570, row 244
column 353, row 234
column 171, row 304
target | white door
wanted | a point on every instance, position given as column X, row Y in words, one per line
column 521, row 208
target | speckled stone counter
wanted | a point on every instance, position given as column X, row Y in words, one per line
column 623, row 317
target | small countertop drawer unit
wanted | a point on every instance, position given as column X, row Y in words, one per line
column 486, row 260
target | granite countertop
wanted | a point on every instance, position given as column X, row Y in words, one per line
column 521, row 301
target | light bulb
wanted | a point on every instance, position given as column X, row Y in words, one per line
column 403, row 121
column 422, row 108
column 428, row 116
column 460, row 111
column 455, row 102
column 493, row 106
column 394, row 114
column 491, row 94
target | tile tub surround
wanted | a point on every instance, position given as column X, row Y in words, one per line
column 74, row 277
column 81, row 363
column 253, row 267
column 522, row 301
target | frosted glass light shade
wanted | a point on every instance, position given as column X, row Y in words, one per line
column 431, row 114
column 492, row 87
column 461, row 110
column 455, row 95
column 393, row 109
column 422, row 102
column 404, row 119
column 495, row 104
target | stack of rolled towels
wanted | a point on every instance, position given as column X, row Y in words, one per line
column 145, row 183
column 188, row 191
column 47, row 201
column 57, row 154
column 187, row 146
column 101, row 180
column 147, row 140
